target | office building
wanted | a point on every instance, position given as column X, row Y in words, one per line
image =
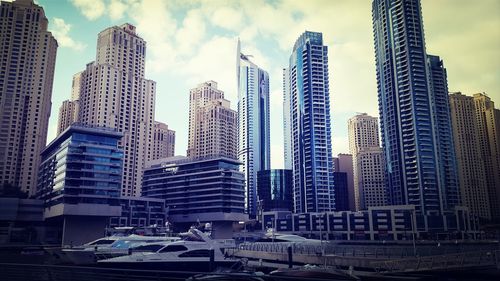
column 343, row 163
column 310, row 128
column 416, row 152
column 67, row 115
column 253, row 125
column 341, row 191
column 198, row 190
column 26, row 76
column 368, row 162
column 80, row 179
column 488, row 120
column 115, row 93
column 213, row 125
column 275, row 190
column 163, row 141
column 470, row 160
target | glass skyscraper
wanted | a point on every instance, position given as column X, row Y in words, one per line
column 310, row 140
column 253, row 125
column 420, row 162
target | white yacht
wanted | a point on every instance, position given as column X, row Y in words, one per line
column 275, row 237
column 109, row 247
column 192, row 253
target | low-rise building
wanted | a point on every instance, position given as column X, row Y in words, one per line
column 376, row 223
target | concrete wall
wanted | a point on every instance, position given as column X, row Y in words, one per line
column 79, row 230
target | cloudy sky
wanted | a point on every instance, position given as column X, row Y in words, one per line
column 190, row 42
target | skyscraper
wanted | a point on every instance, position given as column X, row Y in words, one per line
column 114, row 93
column 213, row 125
column 253, row 125
column 163, row 141
column 488, row 120
column 440, row 107
column 311, row 144
column 28, row 59
column 470, row 159
column 410, row 120
column 287, row 135
column 67, row 115
column 368, row 162
column 69, row 109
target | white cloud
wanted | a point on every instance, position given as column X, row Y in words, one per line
column 91, row 9
column 228, row 18
column 214, row 61
column 60, row 29
column 117, row 9
column 191, row 33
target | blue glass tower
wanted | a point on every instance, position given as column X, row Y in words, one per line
column 310, row 141
column 418, row 155
column 253, row 125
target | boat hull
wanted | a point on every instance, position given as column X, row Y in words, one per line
column 184, row 266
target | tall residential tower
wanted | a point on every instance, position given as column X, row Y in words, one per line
column 488, row 120
column 310, row 130
column 28, row 59
column 253, row 125
column 163, row 141
column 368, row 162
column 213, row 125
column 417, row 153
column 115, row 93
column 470, row 160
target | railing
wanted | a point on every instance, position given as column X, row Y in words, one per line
column 440, row 262
column 369, row 251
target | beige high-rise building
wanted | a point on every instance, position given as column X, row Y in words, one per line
column 68, row 111
column 368, row 162
column 213, row 125
column 114, row 93
column 67, row 115
column 488, row 120
column 164, row 141
column 471, row 169
column 28, row 56
column 76, row 86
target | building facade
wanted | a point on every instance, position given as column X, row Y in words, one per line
column 310, row 125
column 368, row 162
column 275, row 189
column 80, row 180
column 287, row 127
column 210, row 189
column 446, row 157
column 343, row 163
column 412, row 143
column 115, row 93
column 399, row 222
column 213, row 125
column 27, row 73
column 163, row 141
column 140, row 211
column 470, row 160
column 488, row 120
column 253, row 126
column 341, row 191
column 67, row 115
